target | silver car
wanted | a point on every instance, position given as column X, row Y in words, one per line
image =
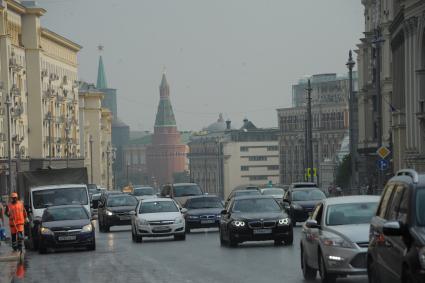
column 335, row 238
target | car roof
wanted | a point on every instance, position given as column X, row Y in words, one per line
column 351, row 199
column 253, row 197
column 272, row 188
column 202, row 196
column 157, row 199
column 62, row 186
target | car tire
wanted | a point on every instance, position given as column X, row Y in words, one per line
column 324, row 275
column 180, row 237
column 278, row 242
column 41, row 248
column 92, row 247
column 308, row 272
column 289, row 240
column 232, row 241
column 133, row 237
column 187, row 229
column 138, row 238
column 106, row 228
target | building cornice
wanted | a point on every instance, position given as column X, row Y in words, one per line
column 60, row 40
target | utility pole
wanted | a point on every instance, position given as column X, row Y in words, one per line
column 49, row 120
column 9, row 145
column 108, row 152
column 91, row 159
column 310, row 132
column 67, row 129
column 377, row 41
column 350, row 65
column 306, row 162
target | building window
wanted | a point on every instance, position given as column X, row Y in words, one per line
column 273, row 148
column 273, row 167
column 259, row 177
column 244, row 168
column 257, row 158
column 244, row 148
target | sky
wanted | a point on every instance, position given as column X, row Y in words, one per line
column 236, row 57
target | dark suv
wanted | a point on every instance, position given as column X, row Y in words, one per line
column 396, row 250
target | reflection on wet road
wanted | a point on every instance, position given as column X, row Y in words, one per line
column 198, row 259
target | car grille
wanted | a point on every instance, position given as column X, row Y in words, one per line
column 205, row 217
column 363, row 244
column 359, row 261
column 68, row 232
column 125, row 213
column 161, row 230
column 262, row 224
column 163, row 222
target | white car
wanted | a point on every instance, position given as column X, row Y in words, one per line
column 160, row 217
column 144, row 193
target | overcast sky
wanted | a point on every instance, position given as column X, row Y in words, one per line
column 238, row 57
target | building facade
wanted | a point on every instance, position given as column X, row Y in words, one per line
column 167, row 154
column 222, row 158
column 329, row 123
column 38, row 75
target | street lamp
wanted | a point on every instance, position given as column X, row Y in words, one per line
column 9, row 145
column 67, row 129
column 49, row 121
column 91, row 159
column 350, row 65
column 108, row 153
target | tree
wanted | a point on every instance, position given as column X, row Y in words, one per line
column 343, row 172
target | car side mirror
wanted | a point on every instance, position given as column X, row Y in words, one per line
column 132, row 213
column 183, row 210
column 312, row 224
column 392, row 228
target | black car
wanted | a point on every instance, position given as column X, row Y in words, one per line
column 66, row 226
column 238, row 192
column 255, row 218
column 203, row 212
column 396, row 250
column 115, row 211
column 300, row 202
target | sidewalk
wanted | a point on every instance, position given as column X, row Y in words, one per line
column 8, row 258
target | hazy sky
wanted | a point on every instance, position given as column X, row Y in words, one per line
column 238, row 57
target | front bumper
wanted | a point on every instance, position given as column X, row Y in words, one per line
column 343, row 261
column 82, row 239
column 117, row 220
column 160, row 230
column 194, row 223
column 245, row 234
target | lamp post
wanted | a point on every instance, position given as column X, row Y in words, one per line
column 67, row 130
column 91, row 158
column 310, row 133
column 49, row 121
column 350, row 65
column 108, row 153
column 9, row 144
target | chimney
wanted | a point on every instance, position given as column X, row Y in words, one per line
column 228, row 124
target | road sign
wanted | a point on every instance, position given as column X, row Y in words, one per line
column 309, row 172
column 383, row 152
column 383, row 164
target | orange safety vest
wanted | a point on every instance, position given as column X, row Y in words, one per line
column 17, row 215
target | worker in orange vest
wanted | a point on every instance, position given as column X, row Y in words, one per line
column 17, row 217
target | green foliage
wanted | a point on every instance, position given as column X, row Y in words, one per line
column 343, row 172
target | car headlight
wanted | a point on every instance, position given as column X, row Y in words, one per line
column 218, row 216
column 283, row 221
column 142, row 222
column 45, row 231
column 87, row 228
column 109, row 213
column 422, row 257
column 193, row 216
column 238, row 223
column 337, row 242
column 178, row 220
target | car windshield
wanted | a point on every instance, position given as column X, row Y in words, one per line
column 62, row 196
column 247, row 193
column 157, row 207
column 256, row 205
column 64, row 213
column 121, row 200
column 189, row 190
column 273, row 192
column 420, row 207
column 207, row 202
column 143, row 191
column 308, row 195
column 350, row 213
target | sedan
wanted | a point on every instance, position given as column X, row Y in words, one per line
column 300, row 202
column 66, row 226
column 144, row 193
column 159, row 217
column 116, row 211
column 255, row 218
column 203, row 212
column 335, row 238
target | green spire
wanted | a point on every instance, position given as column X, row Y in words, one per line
column 101, row 78
column 165, row 115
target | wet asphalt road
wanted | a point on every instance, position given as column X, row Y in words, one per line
column 198, row 259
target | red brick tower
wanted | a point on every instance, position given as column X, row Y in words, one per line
column 166, row 155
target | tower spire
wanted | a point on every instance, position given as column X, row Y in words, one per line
column 165, row 115
column 101, row 77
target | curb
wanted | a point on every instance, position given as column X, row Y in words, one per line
column 12, row 257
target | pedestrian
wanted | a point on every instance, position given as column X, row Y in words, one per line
column 17, row 217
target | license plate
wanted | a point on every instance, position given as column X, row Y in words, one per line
column 67, row 238
column 262, row 231
column 207, row 221
column 161, row 228
column 125, row 217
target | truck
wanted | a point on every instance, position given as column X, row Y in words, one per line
column 42, row 188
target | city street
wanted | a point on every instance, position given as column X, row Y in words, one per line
column 198, row 259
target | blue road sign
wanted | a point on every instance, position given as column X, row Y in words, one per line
column 383, row 164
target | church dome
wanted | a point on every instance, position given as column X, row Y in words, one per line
column 218, row 126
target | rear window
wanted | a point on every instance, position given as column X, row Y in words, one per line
column 247, row 193
column 143, row 192
column 189, row 190
column 308, row 195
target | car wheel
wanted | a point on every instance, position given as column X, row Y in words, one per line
column 232, row 241
column 289, row 240
column 187, row 229
column 324, row 275
column 106, row 228
column 41, row 248
column 278, row 242
column 180, row 237
column 308, row 272
column 138, row 238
